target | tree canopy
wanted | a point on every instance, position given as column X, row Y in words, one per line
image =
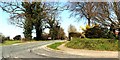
column 40, row 15
column 103, row 13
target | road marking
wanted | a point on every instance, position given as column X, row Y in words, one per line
column 28, row 42
column 15, row 57
column 43, row 54
column 29, row 50
column 14, row 44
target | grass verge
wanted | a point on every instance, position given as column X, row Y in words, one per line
column 94, row 44
column 55, row 45
column 10, row 42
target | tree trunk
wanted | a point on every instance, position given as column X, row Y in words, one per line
column 119, row 35
column 52, row 33
column 119, row 22
column 38, row 33
column 89, row 21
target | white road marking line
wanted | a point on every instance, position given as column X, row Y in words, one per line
column 15, row 57
column 43, row 54
column 14, row 44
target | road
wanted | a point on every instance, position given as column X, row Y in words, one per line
column 23, row 51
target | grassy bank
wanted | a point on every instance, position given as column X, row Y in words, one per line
column 55, row 45
column 10, row 42
column 93, row 44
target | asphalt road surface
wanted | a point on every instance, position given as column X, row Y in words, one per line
column 24, row 52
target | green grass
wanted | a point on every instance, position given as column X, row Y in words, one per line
column 10, row 42
column 55, row 45
column 92, row 39
column 94, row 44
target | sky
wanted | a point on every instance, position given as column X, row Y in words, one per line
column 7, row 29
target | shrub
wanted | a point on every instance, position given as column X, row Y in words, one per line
column 17, row 37
column 2, row 38
column 99, row 32
column 7, row 38
column 94, row 32
column 44, row 36
column 24, row 40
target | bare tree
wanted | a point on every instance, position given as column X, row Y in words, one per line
column 84, row 9
column 103, row 13
column 72, row 28
column 108, row 14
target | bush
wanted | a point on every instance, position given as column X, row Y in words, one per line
column 93, row 44
column 44, row 36
column 17, row 37
column 99, row 32
column 94, row 32
column 2, row 38
column 7, row 38
column 24, row 40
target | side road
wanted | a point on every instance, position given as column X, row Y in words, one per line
column 78, row 52
column 50, row 53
